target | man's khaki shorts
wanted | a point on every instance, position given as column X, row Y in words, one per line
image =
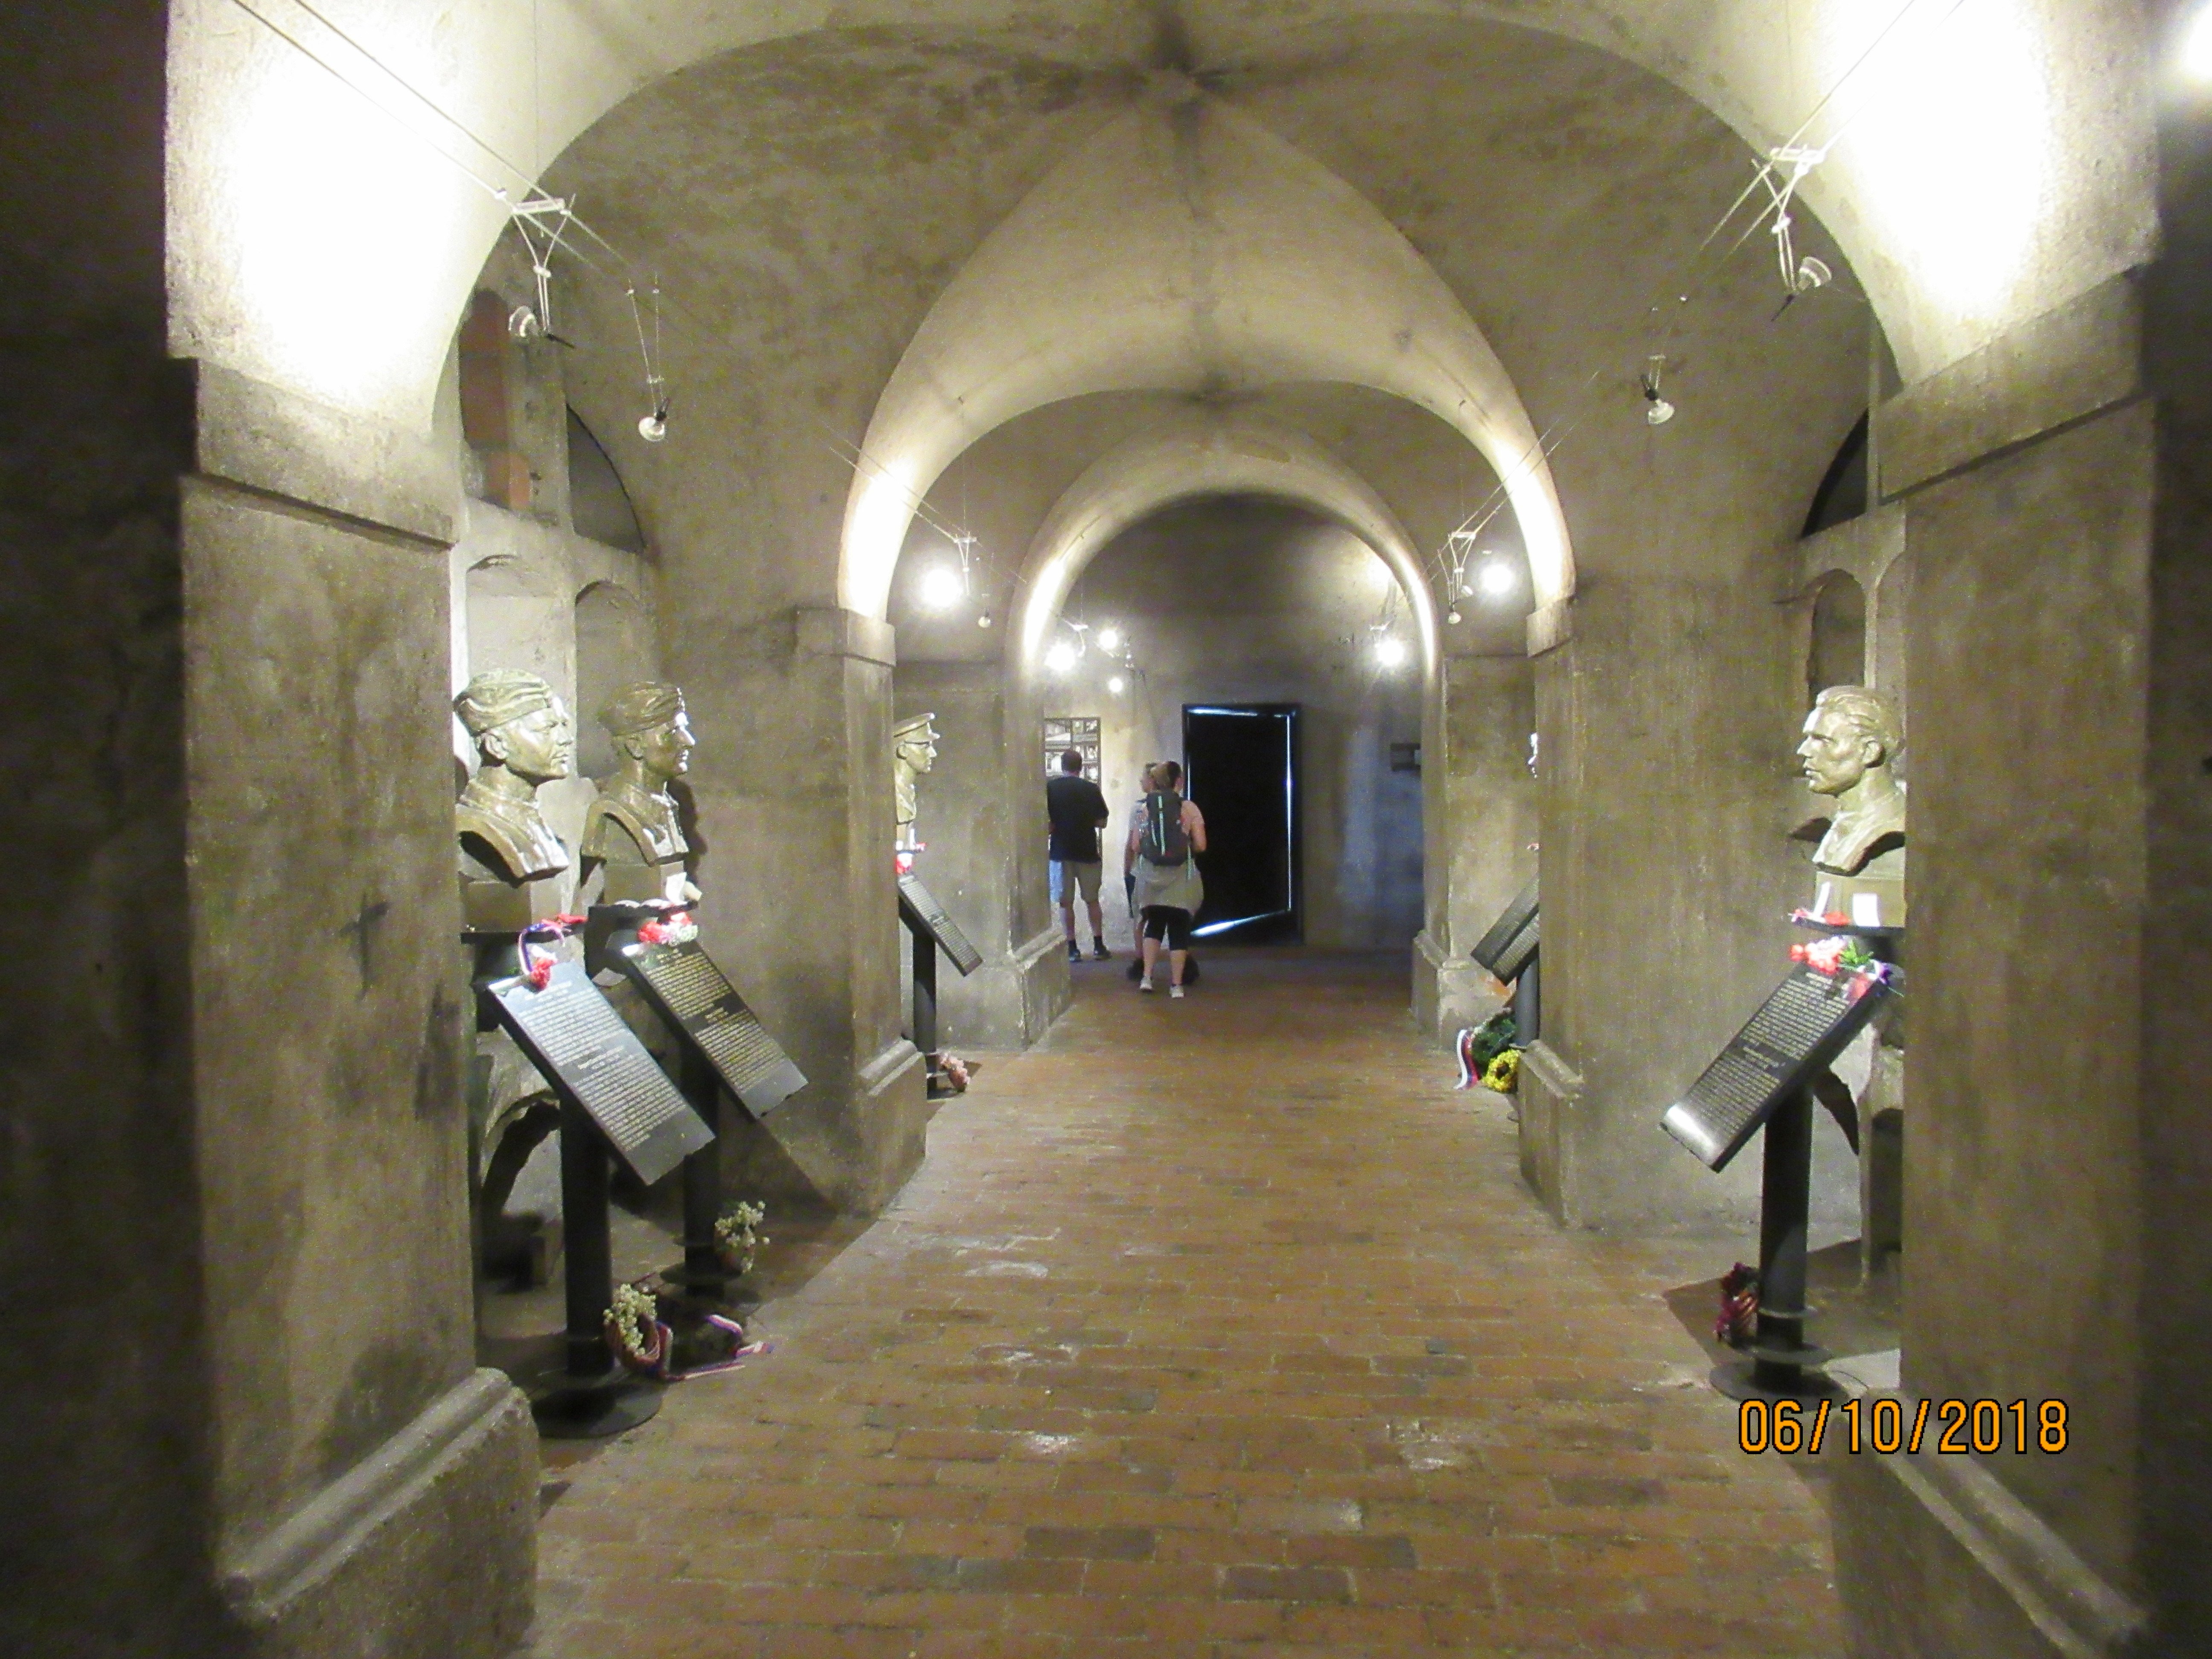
column 1084, row 876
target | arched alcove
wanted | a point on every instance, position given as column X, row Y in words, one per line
column 1836, row 653
column 599, row 506
column 614, row 648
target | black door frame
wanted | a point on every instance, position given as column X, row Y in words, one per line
column 1291, row 925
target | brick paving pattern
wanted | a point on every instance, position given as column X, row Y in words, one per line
column 1222, row 1328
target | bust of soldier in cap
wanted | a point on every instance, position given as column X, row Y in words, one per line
column 523, row 739
column 631, row 829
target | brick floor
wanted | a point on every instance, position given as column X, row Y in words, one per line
column 1222, row 1328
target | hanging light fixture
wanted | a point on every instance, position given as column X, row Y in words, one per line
column 1657, row 410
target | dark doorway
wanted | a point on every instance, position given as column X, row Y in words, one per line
column 1242, row 762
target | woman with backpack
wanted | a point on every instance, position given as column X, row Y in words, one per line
column 1167, row 833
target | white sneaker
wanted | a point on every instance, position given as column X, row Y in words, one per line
column 1146, row 983
column 1175, row 992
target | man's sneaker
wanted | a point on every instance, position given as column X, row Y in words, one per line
column 1098, row 951
column 1145, row 985
column 1075, row 952
column 1465, row 1045
column 1175, row 992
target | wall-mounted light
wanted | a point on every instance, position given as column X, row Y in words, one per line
column 1059, row 656
column 1495, row 579
column 1116, row 684
column 942, row 588
column 1109, row 638
column 984, row 620
column 1390, row 652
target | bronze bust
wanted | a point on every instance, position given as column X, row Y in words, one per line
column 523, row 739
column 1849, row 750
column 914, row 752
column 630, row 831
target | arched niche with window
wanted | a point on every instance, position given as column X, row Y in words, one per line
column 1837, row 652
column 614, row 648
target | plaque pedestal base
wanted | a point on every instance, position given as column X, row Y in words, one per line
column 592, row 1410
column 1782, row 1364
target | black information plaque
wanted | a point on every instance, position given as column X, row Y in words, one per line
column 1797, row 1031
column 921, row 911
column 1513, row 961
column 593, row 1060
column 689, row 991
column 1511, row 940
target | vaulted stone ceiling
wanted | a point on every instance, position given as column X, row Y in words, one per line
column 938, row 233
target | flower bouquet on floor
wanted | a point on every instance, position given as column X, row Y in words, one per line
column 1738, row 1319
column 636, row 1334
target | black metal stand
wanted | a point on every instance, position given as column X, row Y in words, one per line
column 596, row 1397
column 1782, row 1363
column 925, row 1006
column 702, row 1275
column 1528, row 1003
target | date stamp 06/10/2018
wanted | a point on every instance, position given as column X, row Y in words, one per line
column 1885, row 1425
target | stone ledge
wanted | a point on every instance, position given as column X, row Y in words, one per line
column 1550, row 1089
column 2050, row 372
column 1450, row 992
column 427, row 1545
column 829, row 631
column 276, row 443
column 2033, row 1595
column 1550, row 627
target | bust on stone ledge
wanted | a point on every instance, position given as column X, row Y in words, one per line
column 914, row 752
column 1849, row 750
column 630, row 831
column 509, row 857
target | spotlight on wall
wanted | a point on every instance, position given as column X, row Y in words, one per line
column 942, row 588
column 1390, row 652
column 1811, row 273
column 984, row 620
column 654, row 427
column 1116, row 684
column 1496, row 579
column 1061, row 657
column 1452, row 616
column 522, row 323
column 1109, row 638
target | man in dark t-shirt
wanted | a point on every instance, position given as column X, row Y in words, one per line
column 1078, row 812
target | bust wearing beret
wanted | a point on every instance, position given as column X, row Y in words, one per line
column 631, row 831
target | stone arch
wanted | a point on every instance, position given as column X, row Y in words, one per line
column 1199, row 456
column 1237, row 262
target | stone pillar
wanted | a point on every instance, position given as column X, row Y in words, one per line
column 792, row 784
column 980, row 805
column 244, row 1414
column 1480, row 810
column 1667, row 711
column 2060, row 1138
